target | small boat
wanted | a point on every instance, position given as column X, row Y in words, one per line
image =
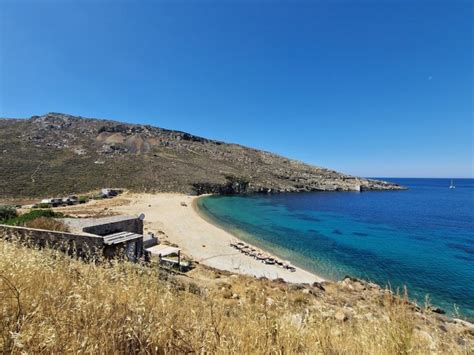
column 452, row 186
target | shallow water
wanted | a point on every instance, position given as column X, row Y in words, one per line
column 422, row 237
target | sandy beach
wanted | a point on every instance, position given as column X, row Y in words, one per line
column 201, row 240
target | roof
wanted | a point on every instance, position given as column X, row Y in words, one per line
column 163, row 250
column 78, row 224
column 121, row 237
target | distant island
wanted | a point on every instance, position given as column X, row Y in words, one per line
column 59, row 154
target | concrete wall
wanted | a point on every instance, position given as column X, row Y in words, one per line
column 79, row 243
column 134, row 225
column 69, row 242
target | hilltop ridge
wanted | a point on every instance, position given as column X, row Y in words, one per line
column 59, row 153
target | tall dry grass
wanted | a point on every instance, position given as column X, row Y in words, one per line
column 47, row 224
column 51, row 303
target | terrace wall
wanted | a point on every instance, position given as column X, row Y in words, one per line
column 72, row 243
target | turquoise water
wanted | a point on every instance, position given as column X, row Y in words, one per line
column 422, row 238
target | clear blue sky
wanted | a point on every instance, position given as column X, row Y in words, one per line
column 369, row 88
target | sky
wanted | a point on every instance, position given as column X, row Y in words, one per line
column 379, row 88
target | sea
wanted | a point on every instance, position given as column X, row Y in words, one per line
column 421, row 239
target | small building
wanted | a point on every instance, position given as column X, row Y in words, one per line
column 73, row 198
column 119, row 234
column 57, row 201
column 109, row 192
column 105, row 193
column 167, row 255
column 70, row 200
column 109, row 237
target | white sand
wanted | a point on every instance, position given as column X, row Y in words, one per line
column 201, row 240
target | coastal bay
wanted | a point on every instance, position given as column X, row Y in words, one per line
column 420, row 238
column 325, row 235
column 201, row 240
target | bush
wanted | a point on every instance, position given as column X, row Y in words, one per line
column 43, row 205
column 33, row 214
column 48, row 224
column 6, row 213
column 83, row 199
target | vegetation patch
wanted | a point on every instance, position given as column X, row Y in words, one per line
column 40, row 219
column 48, row 224
column 52, row 303
column 42, row 205
column 83, row 199
column 6, row 213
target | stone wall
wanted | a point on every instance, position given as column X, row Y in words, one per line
column 72, row 243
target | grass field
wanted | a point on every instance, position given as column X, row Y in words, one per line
column 51, row 303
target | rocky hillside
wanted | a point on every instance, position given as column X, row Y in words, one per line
column 60, row 154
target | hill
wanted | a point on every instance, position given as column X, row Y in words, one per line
column 58, row 154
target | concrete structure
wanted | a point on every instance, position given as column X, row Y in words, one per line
column 150, row 240
column 70, row 200
column 58, row 201
column 108, row 192
column 72, row 243
column 163, row 252
column 110, row 237
column 109, row 228
column 106, row 225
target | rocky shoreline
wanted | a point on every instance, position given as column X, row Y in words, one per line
column 341, row 183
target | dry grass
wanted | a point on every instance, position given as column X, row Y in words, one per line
column 47, row 224
column 50, row 303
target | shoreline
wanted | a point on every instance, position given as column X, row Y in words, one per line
column 200, row 239
column 200, row 236
column 237, row 238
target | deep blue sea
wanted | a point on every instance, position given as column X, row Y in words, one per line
column 422, row 238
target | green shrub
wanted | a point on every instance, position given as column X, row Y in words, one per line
column 6, row 213
column 83, row 199
column 33, row 214
column 42, row 205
